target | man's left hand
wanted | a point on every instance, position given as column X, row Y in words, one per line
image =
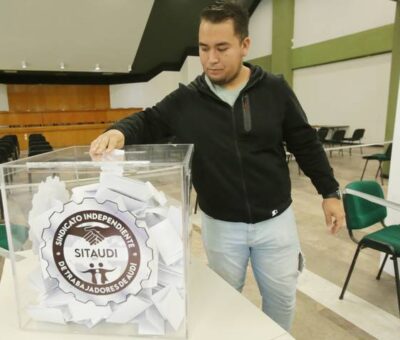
column 334, row 214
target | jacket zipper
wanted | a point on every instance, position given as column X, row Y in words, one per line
column 246, row 113
column 239, row 156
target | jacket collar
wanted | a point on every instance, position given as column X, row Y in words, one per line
column 256, row 74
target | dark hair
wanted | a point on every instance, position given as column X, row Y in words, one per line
column 221, row 11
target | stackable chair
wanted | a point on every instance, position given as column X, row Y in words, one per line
column 380, row 157
column 355, row 139
column 8, row 152
column 20, row 234
column 362, row 213
column 38, row 145
column 9, row 148
column 322, row 133
column 14, row 141
column 336, row 140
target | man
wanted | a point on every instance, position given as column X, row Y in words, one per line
column 238, row 118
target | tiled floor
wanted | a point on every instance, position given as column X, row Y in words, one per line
column 328, row 258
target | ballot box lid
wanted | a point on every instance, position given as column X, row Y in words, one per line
column 132, row 155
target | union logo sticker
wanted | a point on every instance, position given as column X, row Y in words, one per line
column 96, row 251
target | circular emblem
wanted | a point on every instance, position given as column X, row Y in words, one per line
column 96, row 251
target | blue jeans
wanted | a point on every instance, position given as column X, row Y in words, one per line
column 274, row 251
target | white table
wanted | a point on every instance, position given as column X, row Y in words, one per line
column 216, row 311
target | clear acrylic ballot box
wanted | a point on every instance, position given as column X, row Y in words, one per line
column 104, row 245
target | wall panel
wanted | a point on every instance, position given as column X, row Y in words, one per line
column 19, row 119
column 58, row 136
column 40, row 98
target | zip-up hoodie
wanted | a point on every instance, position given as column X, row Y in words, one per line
column 239, row 165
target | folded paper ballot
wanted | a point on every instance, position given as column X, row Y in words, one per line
column 127, row 186
column 151, row 322
column 41, row 285
column 133, row 205
column 86, row 188
column 109, row 252
column 43, row 200
column 159, row 196
column 168, row 277
column 175, row 216
column 170, row 305
column 127, row 311
column 80, row 192
column 46, row 314
column 88, row 312
column 39, row 220
column 167, row 241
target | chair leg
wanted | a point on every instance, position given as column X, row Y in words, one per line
column 350, row 272
column 378, row 277
column 365, row 166
column 379, row 171
column 396, row 274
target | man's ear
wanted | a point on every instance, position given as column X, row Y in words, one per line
column 246, row 42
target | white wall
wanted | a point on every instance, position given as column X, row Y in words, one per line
column 194, row 68
column 319, row 20
column 353, row 92
column 3, row 98
column 260, row 30
column 144, row 94
column 149, row 93
column 190, row 69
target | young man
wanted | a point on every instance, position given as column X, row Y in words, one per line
column 238, row 117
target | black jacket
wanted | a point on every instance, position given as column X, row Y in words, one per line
column 239, row 165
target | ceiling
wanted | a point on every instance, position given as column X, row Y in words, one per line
column 96, row 41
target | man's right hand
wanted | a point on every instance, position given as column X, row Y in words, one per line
column 108, row 141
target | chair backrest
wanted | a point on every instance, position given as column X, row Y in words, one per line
column 361, row 213
column 358, row 134
column 338, row 135
column 322, row 133
column 36, row 135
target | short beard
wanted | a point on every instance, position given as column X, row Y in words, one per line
column 225, row 81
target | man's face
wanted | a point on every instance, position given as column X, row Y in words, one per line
column 221, row 51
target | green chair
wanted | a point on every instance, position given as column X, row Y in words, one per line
column 3, row 237
column 380, row 157
column 360, row 214
column 19, row 234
